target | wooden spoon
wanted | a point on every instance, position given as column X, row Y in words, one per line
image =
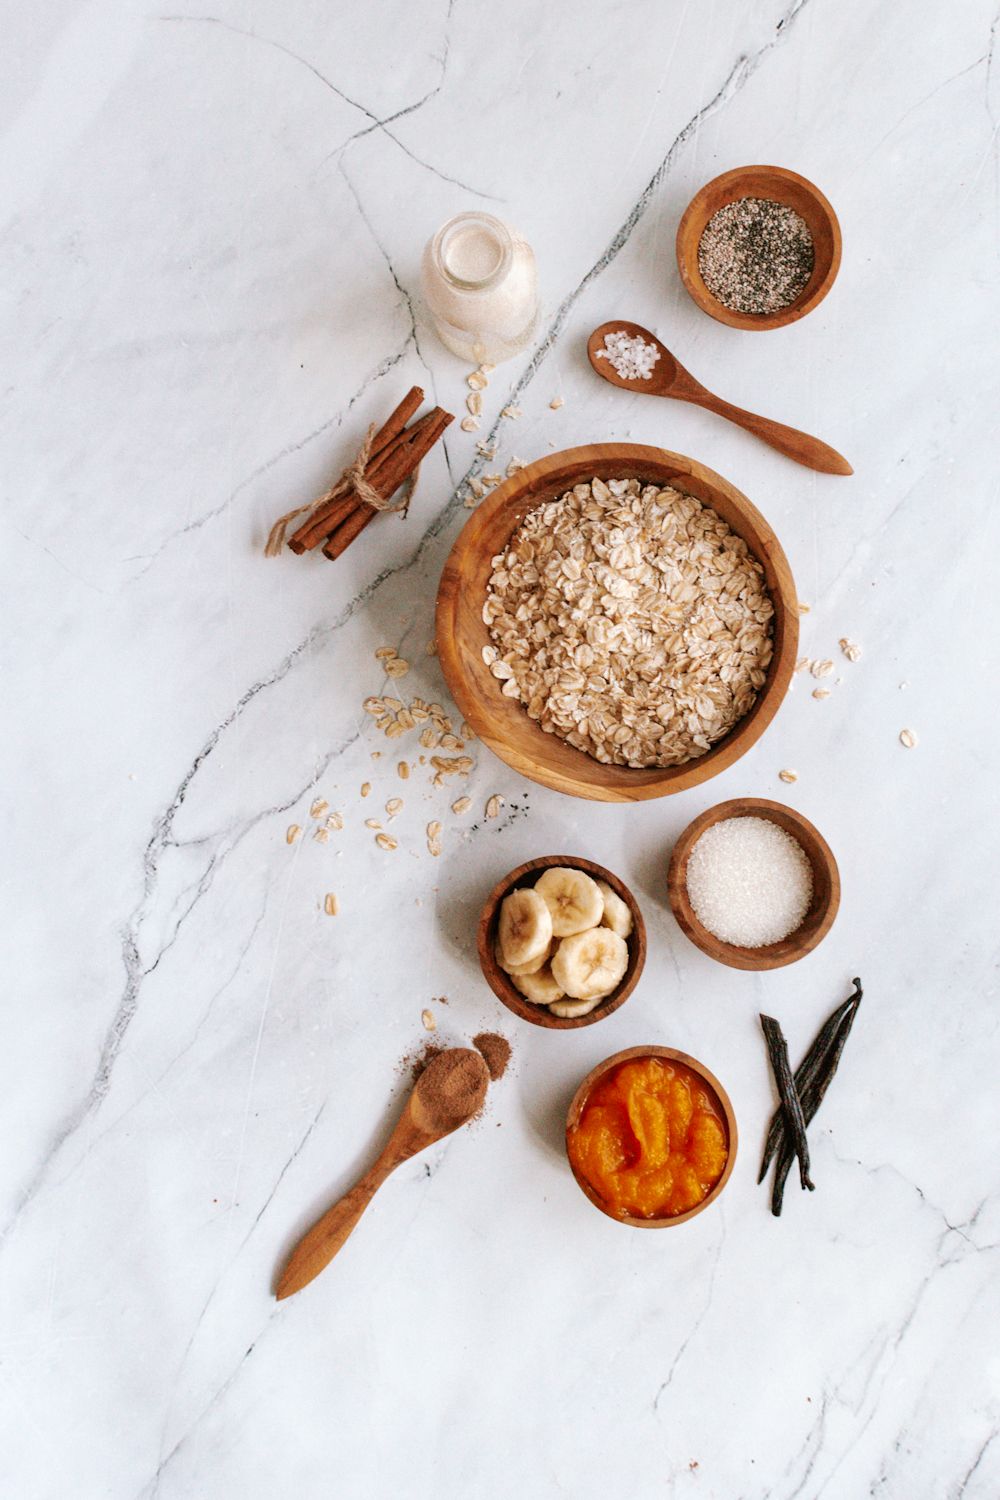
column 448, row 1093
column 669, row 378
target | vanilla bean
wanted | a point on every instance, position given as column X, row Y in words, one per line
column 812, row 1064
column 795, row 1125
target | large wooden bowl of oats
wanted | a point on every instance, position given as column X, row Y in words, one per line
column 617, row 622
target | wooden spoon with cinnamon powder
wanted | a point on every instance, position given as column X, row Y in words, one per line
column 449, row 1092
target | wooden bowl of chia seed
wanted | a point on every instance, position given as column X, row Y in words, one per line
column 758, row 247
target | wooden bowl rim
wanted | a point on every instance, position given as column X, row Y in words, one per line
column 771, row 955
column 500, row 984
column 692, row 224
column 617, row 783
column 725, row 1105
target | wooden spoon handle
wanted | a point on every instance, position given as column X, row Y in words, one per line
column 788, row 440
column 320, row 1244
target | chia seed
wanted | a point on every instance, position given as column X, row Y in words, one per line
column 756, row 256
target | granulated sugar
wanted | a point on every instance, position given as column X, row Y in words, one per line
column 632, row 358
column 749, row 882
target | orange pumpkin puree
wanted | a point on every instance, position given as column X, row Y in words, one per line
column 651, row 1140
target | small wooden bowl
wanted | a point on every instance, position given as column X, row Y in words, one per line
column 502, row 723
column 725, row 1108
column 499, row 980
column 781, row 186
column 826, row 887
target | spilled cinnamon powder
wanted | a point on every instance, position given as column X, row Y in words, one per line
column 495, row 1051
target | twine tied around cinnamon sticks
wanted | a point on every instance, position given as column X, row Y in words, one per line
column 389, row 457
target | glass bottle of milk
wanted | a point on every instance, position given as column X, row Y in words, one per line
column 480, row 283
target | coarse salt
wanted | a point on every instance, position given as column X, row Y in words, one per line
column 749, row 882
column 631, row 358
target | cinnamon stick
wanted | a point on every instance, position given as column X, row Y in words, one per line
column 320, row 524
column 390, row 434
column 397, row 420
column 397, row 468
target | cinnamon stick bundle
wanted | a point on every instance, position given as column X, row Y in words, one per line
column 388, row 458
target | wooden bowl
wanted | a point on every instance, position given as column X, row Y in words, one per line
column 781, row 186
column 826, row 887
column 725, row 1108
column 499, row 980
column 502, row 723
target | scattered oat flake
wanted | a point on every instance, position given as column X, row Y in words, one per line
column 397, row 667
column 485, row 449
column 319, row 807
column 331, row 905
column 431, row 648
column 384, row 653
column 557, row 402
column 322, row 835
column 434, row 830
column 335, row 821
column 803, row 661
column 461, row 805
column 805, row 609
column 474, row 403
column 386, row 841
column 821, row 668
column 908, row 738
column 476, row 381
column 821, row 692
column 428, row 1020
column 513, row 412
column 292, row 833
column 850, row 648
column 494, row 804
column 404, row 770
column 372, row 823
column 788, row 776
column 394, row 806
column 366, row 787
column 373, row 706
column 469, row 424
column 466, row 732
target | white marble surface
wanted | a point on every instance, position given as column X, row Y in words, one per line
column 211, row 225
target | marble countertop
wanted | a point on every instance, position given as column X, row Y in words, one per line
column 211, row 232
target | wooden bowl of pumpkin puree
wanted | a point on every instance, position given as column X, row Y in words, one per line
column 651, row 1137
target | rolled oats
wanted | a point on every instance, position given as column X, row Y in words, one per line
column 631, row 621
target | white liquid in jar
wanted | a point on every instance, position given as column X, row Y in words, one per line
column 480, row 283
column 473, row 254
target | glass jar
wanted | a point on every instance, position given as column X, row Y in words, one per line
column 480, row 283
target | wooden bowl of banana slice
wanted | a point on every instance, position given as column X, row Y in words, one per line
column 561, row 942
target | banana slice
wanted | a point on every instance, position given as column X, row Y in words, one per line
column 617, row 915
column 531, row 967
column 570, row 1009
column 572, row 898
column 540, row 988
column 588, row 965
column 525, row 928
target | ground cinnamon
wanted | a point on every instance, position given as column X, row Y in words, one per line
column 452, row 1088
column 495, row 1050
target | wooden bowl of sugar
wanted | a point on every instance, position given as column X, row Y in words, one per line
column 746, row 871
column 772, row 185
column 502, row 723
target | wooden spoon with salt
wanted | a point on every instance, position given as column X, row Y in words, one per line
column 449, row 1092
column 669, row 378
